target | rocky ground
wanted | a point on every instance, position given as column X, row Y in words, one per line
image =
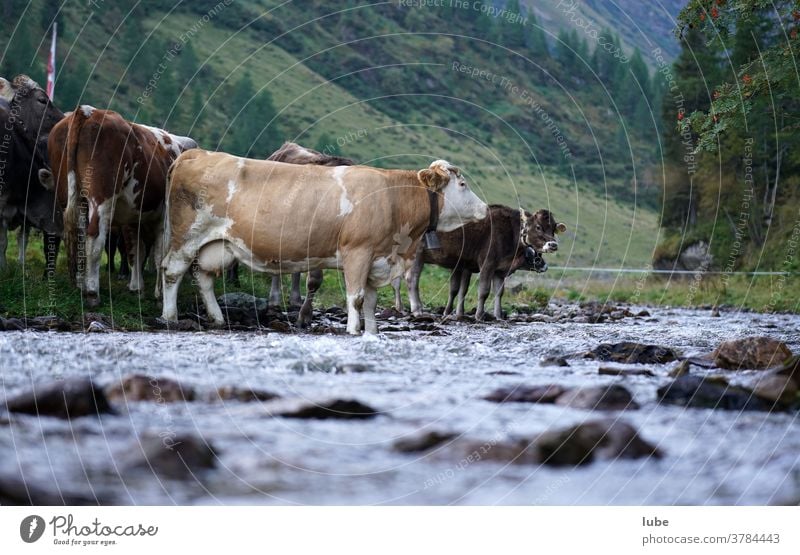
column 572, row 404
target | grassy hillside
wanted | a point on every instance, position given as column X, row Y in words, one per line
column 378, row 83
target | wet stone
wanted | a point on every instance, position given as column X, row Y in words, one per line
column 632, row 353
column 138, row 387
column 614, row 371
column 341, row 409
column 612, row 397
column 755, row 353
column 62, row 399
column 680, row 369
column 422, row 442
column 591, row 441
column 178, row 457
column 700, row 392
column 242, row 394
column 553, row 361
column 527, row 394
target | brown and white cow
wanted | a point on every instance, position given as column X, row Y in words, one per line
column 276, row 218
column 293, row 153
column 108, row 171
column 507, row 240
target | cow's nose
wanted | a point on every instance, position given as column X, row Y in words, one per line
column 550, row 246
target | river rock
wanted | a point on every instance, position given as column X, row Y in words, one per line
column 344, row 409
column 776, row 388
column 629, row 352
column 553, row 361
column 63, row 399
column 50, row 323
column 179, row 457
column 243, row 301
column 680, row 369
column 15, row 491
column 614, row 371
column 138, row 387
column 791, row 369
column 242, row 394
column 701, row 392
column 752, row 353
column 597, row 440
column 422, row 442
column 527, row 394
column 611, row 397
column 97, row 327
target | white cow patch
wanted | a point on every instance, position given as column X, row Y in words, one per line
column 345, row 206
column 231, row 190
column 87, row 110
column 240, row 163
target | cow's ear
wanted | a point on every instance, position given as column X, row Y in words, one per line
column 434, row 178
column 6, row 90
column 46, row 179
column 561, row 228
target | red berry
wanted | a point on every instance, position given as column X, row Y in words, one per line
column 702, row 17
column 747, row 79
column 680, row 116
column 714, row 13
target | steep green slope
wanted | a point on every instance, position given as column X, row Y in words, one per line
column 385, row 84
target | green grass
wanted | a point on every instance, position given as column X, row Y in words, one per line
column 28, row 292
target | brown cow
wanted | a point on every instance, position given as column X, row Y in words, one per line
column 507, row 240
column 293, row 153
column 108, row 171
column 279, row 218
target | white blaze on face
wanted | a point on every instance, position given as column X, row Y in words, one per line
column 461, row 205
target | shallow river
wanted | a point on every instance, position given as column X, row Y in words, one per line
column 419, row 383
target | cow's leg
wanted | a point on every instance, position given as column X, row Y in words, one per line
column 205, row 282
column 294, row 295
column 275, row 296
column 51, row 243
column 111, row 251
column 212, row 259
column 463, row 287
column 455, row 285
column 412, row 280
column 96, row 235
column 484, row 285
column 136, row 283
column 232, row 275
column 499, row 286
column 23, row 234
column 173, row 268
column 3, row 243
column 370, row 305
column 124, row 266
column 357, row 266
column 398, row 299
column 313, row 283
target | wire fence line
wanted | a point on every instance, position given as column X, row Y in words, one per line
column 680, row 272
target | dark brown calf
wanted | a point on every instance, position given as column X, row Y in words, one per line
column 506, row 241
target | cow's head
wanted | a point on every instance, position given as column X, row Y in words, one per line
column 31, row 105
column 539, row 230
column 461, row 206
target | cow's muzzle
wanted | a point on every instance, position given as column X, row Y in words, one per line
column 534, row 261
column 550, row 246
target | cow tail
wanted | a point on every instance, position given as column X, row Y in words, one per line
column 76, row 212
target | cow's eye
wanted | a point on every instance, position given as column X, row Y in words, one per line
column 42, row 100
column 538, row 227
column 462, row 184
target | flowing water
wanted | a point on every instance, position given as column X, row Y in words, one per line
column 419, row 382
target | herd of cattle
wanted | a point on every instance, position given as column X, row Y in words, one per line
column 97, row 181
